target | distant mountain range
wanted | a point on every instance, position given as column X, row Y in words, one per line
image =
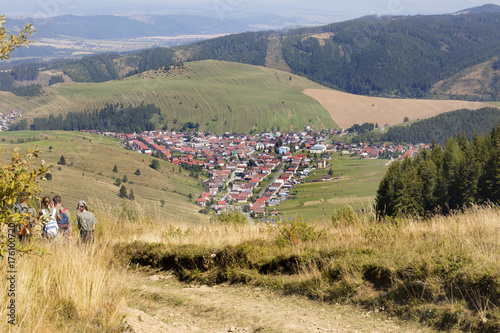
column 435, row 56
column 120, row 27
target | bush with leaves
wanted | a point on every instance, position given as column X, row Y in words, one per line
column 296, row 231
column 19, row 177
column 231, row 217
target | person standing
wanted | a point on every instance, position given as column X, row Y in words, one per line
column 48, row 215
column 86, row 222
column 64, row 221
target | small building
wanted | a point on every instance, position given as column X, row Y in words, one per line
column 321, row 164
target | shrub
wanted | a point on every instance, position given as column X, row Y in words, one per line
column 296, row 231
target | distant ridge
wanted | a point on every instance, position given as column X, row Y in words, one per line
column 488, row 8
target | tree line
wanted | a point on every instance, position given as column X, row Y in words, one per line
column 438, row 128
column 111, row 118
column 443, row 179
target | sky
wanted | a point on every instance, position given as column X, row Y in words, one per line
column 323, row 10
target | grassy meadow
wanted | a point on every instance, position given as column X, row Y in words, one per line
column 443, row 272
column 88, row 173
column 354, row 183
column 220, row 96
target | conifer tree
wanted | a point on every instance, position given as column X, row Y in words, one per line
column 138, row 172
column 62, row 160
column 115, row 169
column 131, row 195
column 125, row 178
column 123, row 192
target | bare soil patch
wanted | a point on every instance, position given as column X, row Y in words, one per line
column 166, row 305
column 348, row 109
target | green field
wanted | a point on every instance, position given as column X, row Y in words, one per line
column 356, row 186
column 220, row 96
column 88, row 173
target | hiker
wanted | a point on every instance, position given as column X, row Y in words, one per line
column 64, row 222
column 26, row 228
column 86, row 222
column 48, row 216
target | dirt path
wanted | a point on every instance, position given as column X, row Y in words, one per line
column 165, row 305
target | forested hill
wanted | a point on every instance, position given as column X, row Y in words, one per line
column 440, row 128
column 386, row 56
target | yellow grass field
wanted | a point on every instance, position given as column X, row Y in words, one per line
column 348, row 109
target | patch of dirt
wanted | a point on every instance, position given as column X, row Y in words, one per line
column 166, row 305
column 348, row 109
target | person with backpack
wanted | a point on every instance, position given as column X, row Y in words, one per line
column 25, row 230
column 86, row 222
column 48, row 216
column 64, row 222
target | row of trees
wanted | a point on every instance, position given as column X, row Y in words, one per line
column 113, row 118
column 457, row 176
column 32, row 90
column 25, row 72
column 248, row 48
column 438, row 128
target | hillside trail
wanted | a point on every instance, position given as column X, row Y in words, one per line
column 160, row 303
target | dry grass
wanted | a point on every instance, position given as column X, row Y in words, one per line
column 70, row 288
column 448, row 266
column 348, row 109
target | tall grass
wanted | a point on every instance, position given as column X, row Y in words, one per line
column 69, row 288
column 444, row 271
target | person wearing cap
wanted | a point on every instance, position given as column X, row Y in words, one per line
column 86, row 222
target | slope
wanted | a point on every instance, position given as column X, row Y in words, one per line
column 220, row 96
column 348, row 109
column 88, row 173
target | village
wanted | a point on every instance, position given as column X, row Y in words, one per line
column 9, row 119
column 253, row 173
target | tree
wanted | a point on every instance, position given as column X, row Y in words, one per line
column 18, row 178
column 125, row 179
column 190, row 197
column 118, row 181
column 123, row 192
column 115, row 169
column 162, row 202
column 138, row 172
column 131, row 195
column 62, row 160
column 155, row 164
column 9, row 42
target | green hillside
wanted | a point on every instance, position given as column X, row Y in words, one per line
column 220, row 96
column 355, row 182
column 384, row 56
column 88, row 173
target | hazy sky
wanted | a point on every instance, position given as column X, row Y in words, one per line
column 325, row 9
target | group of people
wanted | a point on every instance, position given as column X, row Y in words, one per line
column 53, row 221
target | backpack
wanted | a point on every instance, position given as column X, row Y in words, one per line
column 26, row 227
column 51, row 228
column 63, row 222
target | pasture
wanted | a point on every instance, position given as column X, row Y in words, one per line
column 354, row 183
column 88, row 173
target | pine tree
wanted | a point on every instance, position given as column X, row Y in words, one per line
column 138, row 172
column 123, row 192
column 115, row 168
column 125, row 178
column 131, row 195
column 62, row 160
column 118, row 181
